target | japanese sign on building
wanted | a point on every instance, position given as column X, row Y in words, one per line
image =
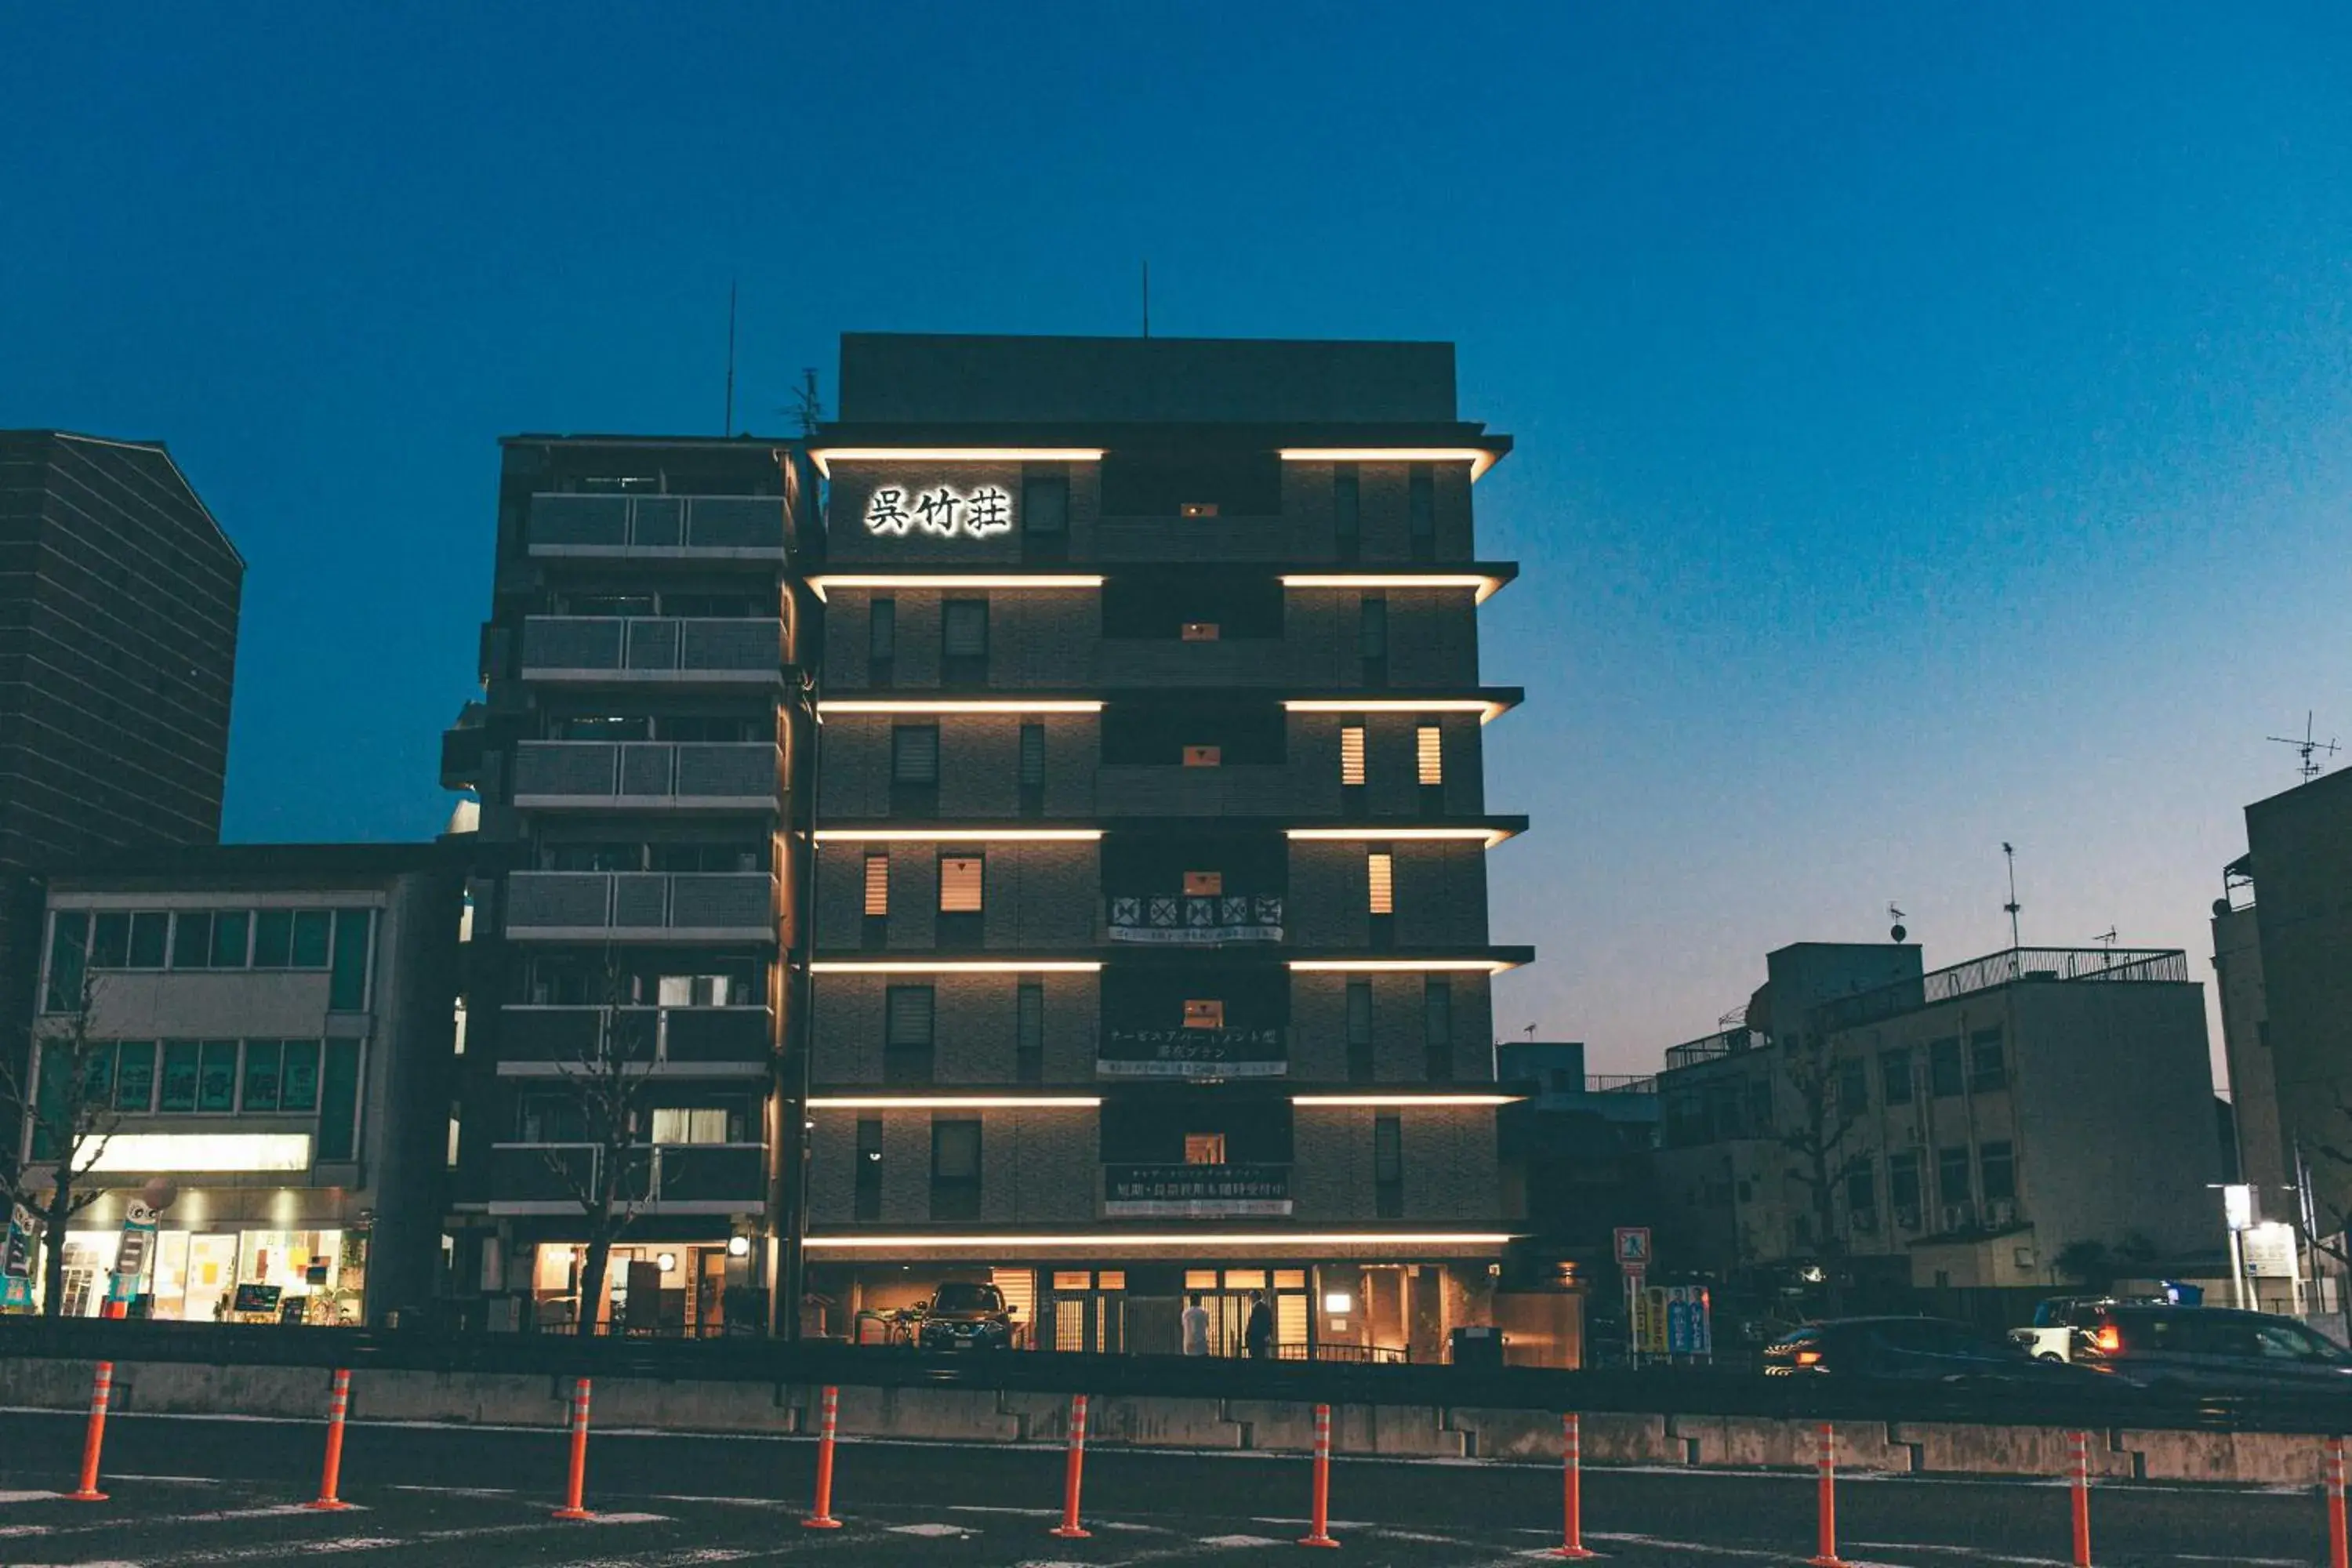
column 131, row 1251
column 1167, row 919
column 893, row 511
column 1192, row 1053
column 1199, row 1191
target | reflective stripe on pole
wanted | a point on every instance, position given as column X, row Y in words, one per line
column 102, row 1393
column 1825, row 1472
column 823, row 1518
column 1572, row 1471
column 1069, row 1529
column 1320, row 1527
column 2078, row 1448
column 338, row 1405
column 571, row 1508
column 2338, row 1555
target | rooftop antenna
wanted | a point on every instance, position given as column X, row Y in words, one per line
column 1897, row 932
column 805, row 406
column 2009, row 852
column 2308, row 749
column 1147, row 298
column 727, row 425
column 2107, row 938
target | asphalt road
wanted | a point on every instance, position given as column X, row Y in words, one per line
column 207, row 1490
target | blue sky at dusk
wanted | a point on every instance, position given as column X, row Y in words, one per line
column 1935, row 422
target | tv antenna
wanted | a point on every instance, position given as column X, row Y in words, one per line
column 2308, row 749
column 805, row 406
column 2107, row 938
column 1896, row 933
column 2009, row 852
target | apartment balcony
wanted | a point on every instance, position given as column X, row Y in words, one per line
column 555, row 775
column 1245, row 789
column 538, row 1040
column 1196, row 1191
column 658, row 1179
column 653, row 651
column 641, row 906
column 1163, row 920
column 656, row 527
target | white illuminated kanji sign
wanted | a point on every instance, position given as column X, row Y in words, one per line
column 943, row 512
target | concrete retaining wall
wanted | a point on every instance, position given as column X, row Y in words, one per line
column 966, row 1416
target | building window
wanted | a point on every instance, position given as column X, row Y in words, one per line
column 955, row 1170
column 339, row 1102
column 701, row 1124
column 1952, row 1176
column 1372, row 638
column 875, row 929
column 1759, row 1107
column 1437, row 1028
column 1360, row 1031
column 265, row 1062
column 1861, row 1189
column 68, row 958
column 134, row 1076
column 1029, row 1033
column 1380, row 871
column 1429, row 754
column 346, row 980
column 1033, row 770
column 1204, row 756
column 1894, row 1076
column 961, row 883
column 915, row 770
column 963, row 642
column 1205, row 1148
column 217, row 1077
column 907, row 1054
column 299, row 1084
column 1997, row 1168
column 1903, row 1189
column 1045, row 517
column 1943, row 1067
column 1988, row 1064
column 1387, row 1167
column 881, row 642
column 1346, row 517
column 1421, row 512
column 232, row 939
column 1352, row 756
column 1853, row 1086
column 869, row 1168
column 1205, row 1012
column 124, row 939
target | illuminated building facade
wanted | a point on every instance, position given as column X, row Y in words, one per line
column 1151, row 939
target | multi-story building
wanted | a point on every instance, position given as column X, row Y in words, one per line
column 1577, row 1160
column 631, row 757
column 1151, row 899
column 1973, row 1123
column 118, row 597
column 2263, row 1160
column 273, row 1025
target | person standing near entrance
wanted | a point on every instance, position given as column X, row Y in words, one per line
column 1258, row 1334
column 1196, row 1328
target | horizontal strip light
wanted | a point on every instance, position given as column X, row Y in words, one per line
column 824, row 580
column 1487, row 710
column 954, row 1102
column 1491, row 835
column 1478, row 457
column 1484, row 585
column 1392, row 966
column 198, row 1152
column 1171, row 1239
column 957, row 966
column 1405, row 1099
column 827, row 456
column 959, row 835
column 928, row 705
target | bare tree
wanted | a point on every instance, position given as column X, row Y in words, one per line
column 606, row 1087
column 1817, row 1144
column 65, row 1102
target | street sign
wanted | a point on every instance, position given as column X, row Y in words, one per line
column 17, row 1262
column 1634, row 1247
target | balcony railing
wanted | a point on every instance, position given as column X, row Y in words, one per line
column 682, row 906
column 672, row 1178
column 1194, row 1053
column 667, row 1036
column 656, row 525
column 1197, row 1192
column 732, row 776
column 1175, row 920
column 652, row 649
column 2115, row 966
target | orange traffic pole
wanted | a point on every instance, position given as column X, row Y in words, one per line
column 572, row 1509
column 1825, row 1472
column 101, row 1391
column 1572, row 1466
column 1069, row 1529
column 2337, row 1554
column 2078, row 1448
column 338, row 1405
column 823, row 1518
column 1318, row 1533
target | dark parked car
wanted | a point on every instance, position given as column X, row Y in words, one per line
column 967, row 1317
column 2215, row 1350
column 1908, row 1349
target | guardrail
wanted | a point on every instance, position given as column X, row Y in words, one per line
column 1683, row 1391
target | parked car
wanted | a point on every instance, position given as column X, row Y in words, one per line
column 966, row 1317
column 2216, row 1350
column 2060, row 1324
column 1906, row 1350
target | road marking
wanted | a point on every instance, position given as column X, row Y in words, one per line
column 933, row 1530
column 1236, row 1541
column 1334, row 1523
column 625, row 1519
column 1000, row 1507
column 729, row 1501
column 454, row 1491
column 29, row 1497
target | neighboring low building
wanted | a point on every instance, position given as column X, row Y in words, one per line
column 279, row 1021
column 1974, row 1123
column 1577, row 1156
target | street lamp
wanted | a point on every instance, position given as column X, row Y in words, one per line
column 2238, row 1214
